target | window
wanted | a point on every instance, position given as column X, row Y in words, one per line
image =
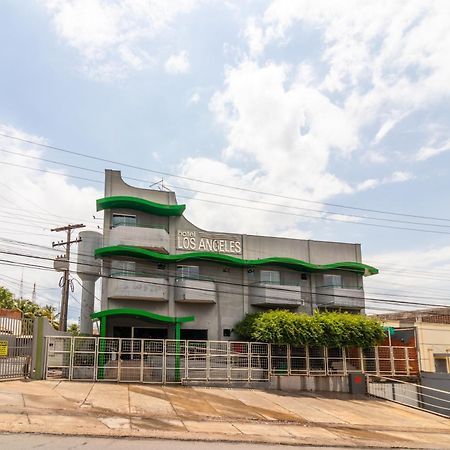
column 192, row 272
column 440, row 365
column 123, row 220
column 127, row 268
column 332, row 280
column 270, row 276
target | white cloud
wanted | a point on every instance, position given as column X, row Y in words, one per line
column 112, row 37
column 398, row 177
column 395, row 177
column 280, row 136
column 254, row 35
column 178, row 63
column 385, row 59
column 407, row 274
column 195, row 98
column 33, row 202
column 428, row 152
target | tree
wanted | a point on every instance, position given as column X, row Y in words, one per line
column 29, row 309
column 6, row 299
column 74, row 329
column 331, row 329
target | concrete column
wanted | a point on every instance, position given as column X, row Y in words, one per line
column 87, row 304
column 88, row 269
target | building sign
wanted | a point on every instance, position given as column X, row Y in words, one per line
column 3, row 348
column 206, row 242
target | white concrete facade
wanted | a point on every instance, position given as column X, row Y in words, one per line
column 217, row 294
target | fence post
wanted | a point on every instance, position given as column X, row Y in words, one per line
column 102, row 347
column 391, row 357
column 325, row 356
column 177, row 350
column 344, row 361
column 407, row 360
column 71, row 356
column 39, row 349
column 288, row 355
column 307, row 359
column 208, row 361
column 142, row 361
column 377, row 361
column 270, row 359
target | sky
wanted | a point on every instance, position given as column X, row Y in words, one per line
column 323, row 120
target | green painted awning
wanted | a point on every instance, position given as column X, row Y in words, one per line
column 290, row 263
column 140, row 313
column 139, row 204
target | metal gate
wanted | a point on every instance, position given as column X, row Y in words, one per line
column 172, row 361
column 16, row 344
column 154, row 361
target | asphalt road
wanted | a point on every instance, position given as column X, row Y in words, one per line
column 49, row 442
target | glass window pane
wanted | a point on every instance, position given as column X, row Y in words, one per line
column 192, row 272
column 270, row 276
column 332, row 280
column 440, row 365
column 123, row 220
column 123, row 268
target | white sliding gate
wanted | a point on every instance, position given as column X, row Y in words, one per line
column 172, row 361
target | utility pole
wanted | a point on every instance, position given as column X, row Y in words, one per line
column 65, row 268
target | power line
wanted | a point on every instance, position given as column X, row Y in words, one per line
column 396, row 303
column 84, row 155
column 234, row 197
column 237, row 198
column 173, row 273
column 373, row 299
column 251, row 207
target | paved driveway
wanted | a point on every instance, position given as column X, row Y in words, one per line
column 226, row 414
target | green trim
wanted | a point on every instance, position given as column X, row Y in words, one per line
column 138, row 312
column 101, row 359
column 290, row 263
column 139, row 204
column 103, row 326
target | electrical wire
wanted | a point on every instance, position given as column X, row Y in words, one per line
column 173, row 273
column 211, row 183
column 373, row 299
column 233, row 197
column 249, row 207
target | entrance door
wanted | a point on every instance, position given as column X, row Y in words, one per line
column 194, row 335
column 150, row 333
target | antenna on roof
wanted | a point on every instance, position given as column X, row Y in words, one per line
column 156, row 182
column 21, row 287
column 161, row 185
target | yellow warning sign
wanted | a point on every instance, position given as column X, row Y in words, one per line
column 3, row 348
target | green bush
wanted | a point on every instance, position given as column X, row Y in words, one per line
column 330, row 329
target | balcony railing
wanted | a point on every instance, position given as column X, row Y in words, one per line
column 138, row 288
column 340, row 297
column 138, row 237
column 270, row 294
column 188, row 290
column 137, row 225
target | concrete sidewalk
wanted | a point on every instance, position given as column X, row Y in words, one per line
column 225, row 414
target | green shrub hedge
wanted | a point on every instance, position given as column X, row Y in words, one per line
column 330, row 329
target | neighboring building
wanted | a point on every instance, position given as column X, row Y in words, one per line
column 163, row 277
column 430, row 329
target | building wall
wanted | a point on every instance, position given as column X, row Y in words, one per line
column 433, row 340
column 233, row 285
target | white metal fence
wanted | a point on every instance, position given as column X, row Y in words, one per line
column 16, row 340
column 172, row 361
column 410, row 394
